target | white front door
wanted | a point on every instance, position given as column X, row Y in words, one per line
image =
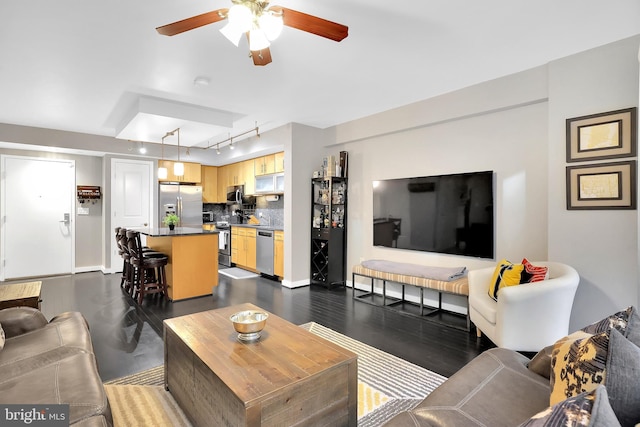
column 131, row 184
column 38, row 212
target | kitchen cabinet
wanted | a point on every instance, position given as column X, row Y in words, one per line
column 265, row 165
column 248, row 177
column 243, row 247
column 223, row 172
column 209, row 176
column 328, row 231
column 192, row 172
column 279, row 162
column 269, row 184
column 278, row 253
column 235, row 175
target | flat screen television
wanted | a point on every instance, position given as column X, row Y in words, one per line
column 449, row 214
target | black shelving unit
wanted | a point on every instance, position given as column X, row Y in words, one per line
column 328, row 231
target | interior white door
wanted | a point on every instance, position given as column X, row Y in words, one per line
column 38, row 212
column 131, row 203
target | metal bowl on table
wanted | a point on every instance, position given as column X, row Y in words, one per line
column 249, row 323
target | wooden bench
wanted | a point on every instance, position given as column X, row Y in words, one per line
column 454, row 287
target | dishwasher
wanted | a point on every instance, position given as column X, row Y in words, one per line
column 264, row 252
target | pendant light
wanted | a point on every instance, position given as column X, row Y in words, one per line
column 162, row 170
column 178, row 167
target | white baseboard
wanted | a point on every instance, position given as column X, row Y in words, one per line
column 296, row 284
column 89, row 268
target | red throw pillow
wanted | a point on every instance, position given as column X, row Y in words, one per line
column 533, row 273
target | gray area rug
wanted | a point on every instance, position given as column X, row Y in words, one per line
column 237, row 273
column 387, row 384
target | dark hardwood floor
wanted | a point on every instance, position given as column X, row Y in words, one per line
column 127, row 338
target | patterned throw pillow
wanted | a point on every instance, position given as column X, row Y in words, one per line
column 533, row 273
column 578, row 364
column 626, row 321
column 608, row 359
column 584, row 410
column 505, row 274
column 619, row 321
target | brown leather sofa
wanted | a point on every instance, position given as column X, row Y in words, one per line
column 494, row 389
column 50, row 363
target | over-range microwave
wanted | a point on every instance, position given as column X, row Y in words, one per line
column 234, row 194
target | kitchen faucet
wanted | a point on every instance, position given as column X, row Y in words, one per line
column 261, row 215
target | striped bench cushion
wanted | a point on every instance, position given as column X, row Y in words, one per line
column 460, row 286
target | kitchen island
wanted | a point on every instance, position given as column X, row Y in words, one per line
column 192, row 270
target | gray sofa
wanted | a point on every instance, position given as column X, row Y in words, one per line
column 50, row 363
column 587, row 378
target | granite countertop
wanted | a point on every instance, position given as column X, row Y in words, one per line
column 260, row 227
column 179, row 231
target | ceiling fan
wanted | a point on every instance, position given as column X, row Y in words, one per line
column 260, row 23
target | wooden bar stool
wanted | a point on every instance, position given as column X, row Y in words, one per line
column 148, row 273
column 123, row 251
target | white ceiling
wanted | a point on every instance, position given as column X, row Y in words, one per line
column 81, row 65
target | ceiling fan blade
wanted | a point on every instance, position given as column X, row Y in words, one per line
column 193, row 22
column 312, row 24
column 261, row 57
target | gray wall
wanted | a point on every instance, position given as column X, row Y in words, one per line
column 88, row 248
column 515, row 126
column 601, row 245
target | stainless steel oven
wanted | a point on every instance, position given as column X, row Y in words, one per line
column 224, row 240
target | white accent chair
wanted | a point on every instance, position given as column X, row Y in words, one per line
column 526, row 317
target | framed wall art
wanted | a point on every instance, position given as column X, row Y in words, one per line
column 602, row 136
column 602, row 186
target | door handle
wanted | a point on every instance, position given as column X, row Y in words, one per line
column 67, row 219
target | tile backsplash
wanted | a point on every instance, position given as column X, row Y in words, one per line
column 273, row 210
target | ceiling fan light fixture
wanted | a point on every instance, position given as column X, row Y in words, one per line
column 233, row 34
column 271, row 25
column 257, row 40
column 241, row 17
column 240, row 20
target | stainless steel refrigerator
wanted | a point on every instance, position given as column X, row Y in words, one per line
column 183, row 200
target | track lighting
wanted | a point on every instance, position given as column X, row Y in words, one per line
column 162, row 170
column 230, row 139
column 178, row 167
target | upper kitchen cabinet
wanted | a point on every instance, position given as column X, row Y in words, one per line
column 192, row 172
column 209, row 184
column 279, row 162
column 223, row 180
column 235, row 174
column 249, row 176
column 265, row 165
column 272, row 163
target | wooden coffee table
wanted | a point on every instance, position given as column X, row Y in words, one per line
column 20, row 294
column 288, row 377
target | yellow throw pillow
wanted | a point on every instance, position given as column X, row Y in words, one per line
column 578, row 364
column 505, row 274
